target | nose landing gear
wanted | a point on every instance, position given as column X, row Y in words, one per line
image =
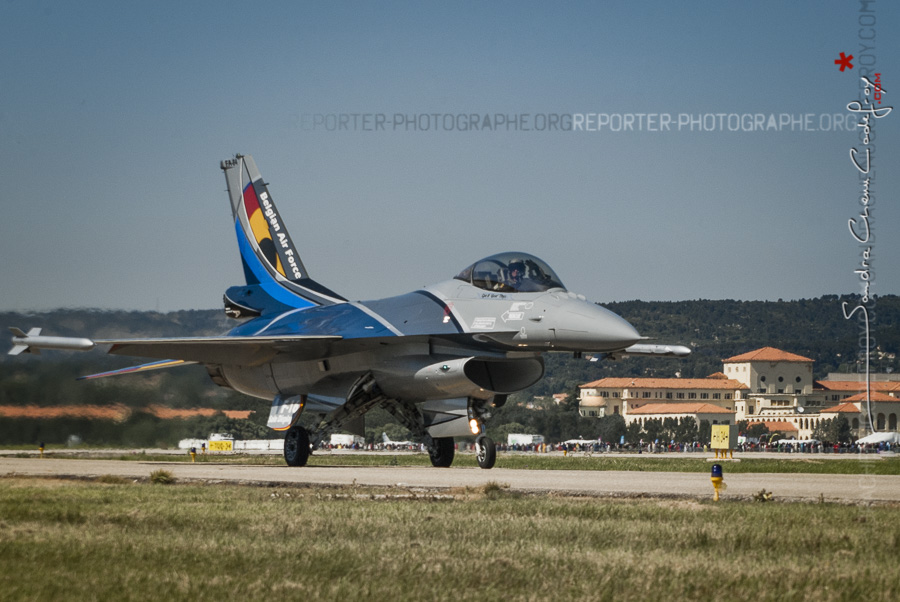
column 485, row 451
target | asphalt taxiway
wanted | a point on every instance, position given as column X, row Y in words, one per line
column 861, row 488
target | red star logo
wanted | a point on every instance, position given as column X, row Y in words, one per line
column 844, row 61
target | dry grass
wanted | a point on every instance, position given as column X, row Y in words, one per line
column 75, row 540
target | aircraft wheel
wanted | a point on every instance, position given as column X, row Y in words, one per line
column 442, row 454
column 296, row 446
column 485, row 452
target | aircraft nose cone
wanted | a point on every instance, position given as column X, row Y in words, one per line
column 589, row 327
column 619, row 331
column 616, row 331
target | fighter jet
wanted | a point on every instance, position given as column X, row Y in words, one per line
column 438, row 359
column 386, row 441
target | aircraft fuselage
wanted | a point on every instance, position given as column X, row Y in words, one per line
column 448, row 340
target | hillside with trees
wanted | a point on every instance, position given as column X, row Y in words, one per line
column 714, row 330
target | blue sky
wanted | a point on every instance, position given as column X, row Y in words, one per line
column 114, row 117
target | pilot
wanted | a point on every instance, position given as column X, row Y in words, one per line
column 516, row 272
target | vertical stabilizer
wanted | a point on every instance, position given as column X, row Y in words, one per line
column 268, row 254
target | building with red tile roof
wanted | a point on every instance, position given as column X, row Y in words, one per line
column 624, row 395
column 698, row 411
column 766, row 385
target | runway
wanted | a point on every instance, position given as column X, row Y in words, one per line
column 793, row 487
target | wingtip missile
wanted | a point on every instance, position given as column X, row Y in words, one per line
column 33, row 342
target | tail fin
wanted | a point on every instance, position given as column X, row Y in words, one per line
column 385, row 438
column 270, row 260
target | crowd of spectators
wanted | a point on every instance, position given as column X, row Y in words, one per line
column 653, row 447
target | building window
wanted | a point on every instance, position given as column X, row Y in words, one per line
column 615, row 409
column 704, row 396
column 646, row 394
column 728, row 396
column 679, row 395
column 615, row 394
column 692, row 396
column 668, row 395
column 717, row 396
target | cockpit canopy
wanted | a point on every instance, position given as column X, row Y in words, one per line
column 511, row 273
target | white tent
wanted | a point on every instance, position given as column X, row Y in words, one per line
column 890, row 437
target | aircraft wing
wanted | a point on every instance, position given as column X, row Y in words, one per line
column 222, row 350
column 205, row 350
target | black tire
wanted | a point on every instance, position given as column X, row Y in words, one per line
column 442, row 454
column 296, row 446
column 485, row 452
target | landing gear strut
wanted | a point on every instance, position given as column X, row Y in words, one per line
column 296, row 446
column 485, row 452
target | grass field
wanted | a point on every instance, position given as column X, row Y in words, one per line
column 119, row 540
column 869, row 464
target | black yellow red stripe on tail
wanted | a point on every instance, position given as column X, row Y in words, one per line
column 276, row 277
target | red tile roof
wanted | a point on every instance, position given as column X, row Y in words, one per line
column 848, row 407
column 776, row 425
column 167, row 413
column 665, row 383
column 113, row 412
column 874, row 396
column 767, row 354
column 679, row 408
column 857, row 385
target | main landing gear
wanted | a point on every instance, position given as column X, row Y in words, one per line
column 296, row 446
column 442, row 452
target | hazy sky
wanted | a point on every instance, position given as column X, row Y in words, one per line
column 114, row 117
